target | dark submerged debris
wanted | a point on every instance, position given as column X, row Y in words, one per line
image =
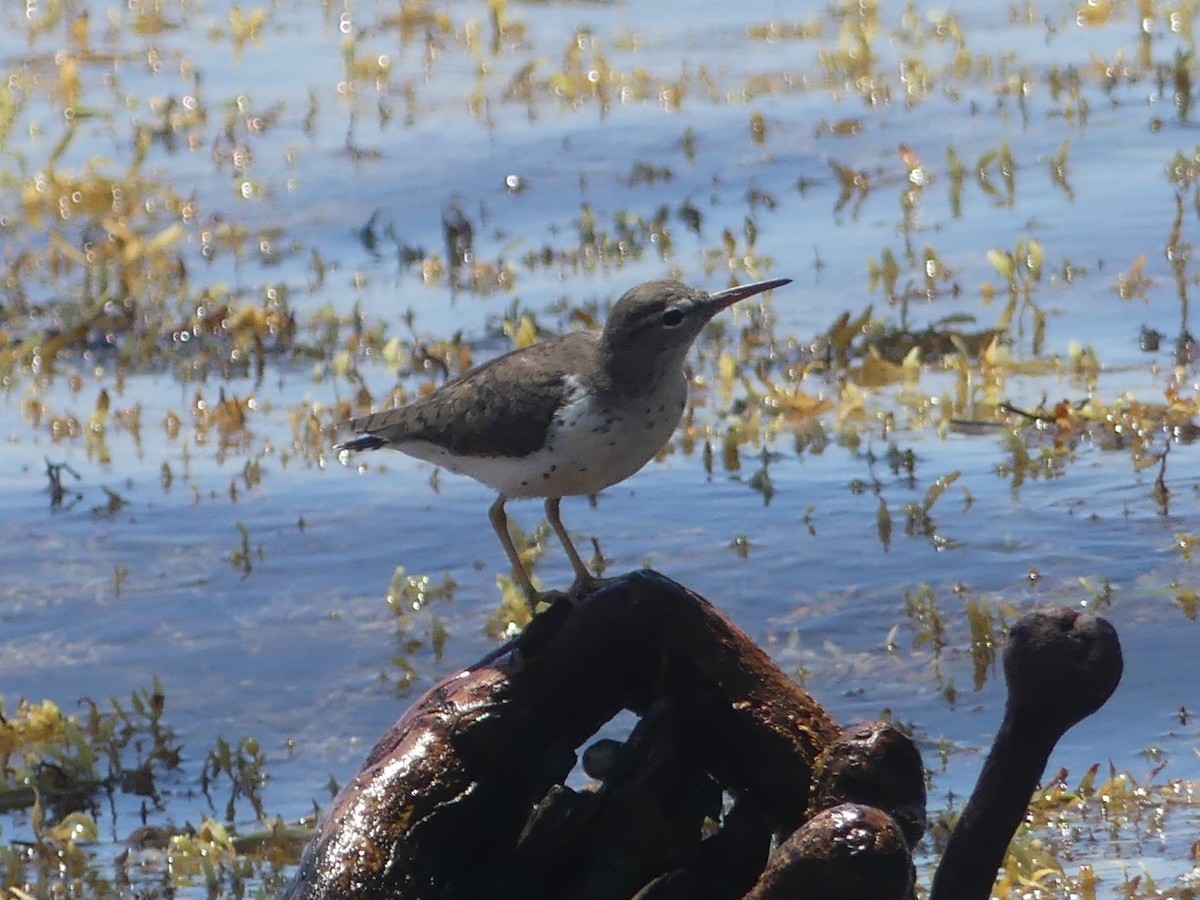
column 1061, row 666
column 442, row 806
column 850, row 851
column 58, row 491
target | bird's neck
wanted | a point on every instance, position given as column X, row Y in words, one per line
column 637, row 373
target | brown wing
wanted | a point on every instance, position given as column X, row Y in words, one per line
column 502, row 408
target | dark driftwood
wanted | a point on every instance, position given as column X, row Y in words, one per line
column 847, row 852
column 865, row 811
column 873, row 764
column 1061, row 666
column 465, row 798
column 442, row 805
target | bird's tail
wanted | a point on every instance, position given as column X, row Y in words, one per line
column 362, row 442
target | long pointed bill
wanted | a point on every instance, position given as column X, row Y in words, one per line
column 721, row 299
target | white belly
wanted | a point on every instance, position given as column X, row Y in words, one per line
column 587, row 450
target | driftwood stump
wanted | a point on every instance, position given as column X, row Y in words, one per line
column 442, row 807
column 466, row 796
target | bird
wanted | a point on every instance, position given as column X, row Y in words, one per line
column 568, row 416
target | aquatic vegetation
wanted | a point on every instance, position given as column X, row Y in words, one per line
column 60, row 771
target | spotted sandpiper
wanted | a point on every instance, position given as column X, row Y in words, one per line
column 569, row 416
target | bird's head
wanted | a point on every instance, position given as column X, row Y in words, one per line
column 654, row 324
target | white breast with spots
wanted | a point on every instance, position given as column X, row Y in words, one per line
column 588, row 447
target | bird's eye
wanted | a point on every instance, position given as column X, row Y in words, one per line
column 672, row 317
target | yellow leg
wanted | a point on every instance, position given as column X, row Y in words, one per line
column 584, row 579
column 500, row 524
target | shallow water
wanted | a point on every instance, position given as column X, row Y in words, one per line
column 301, row 650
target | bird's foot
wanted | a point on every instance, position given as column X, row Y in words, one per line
column 540, row 601
column 543, row 600
column 586, row 584
column 549, row 611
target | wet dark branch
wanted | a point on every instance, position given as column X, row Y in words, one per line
column 442, row 806
column 1061, row 666
column 467, row 796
